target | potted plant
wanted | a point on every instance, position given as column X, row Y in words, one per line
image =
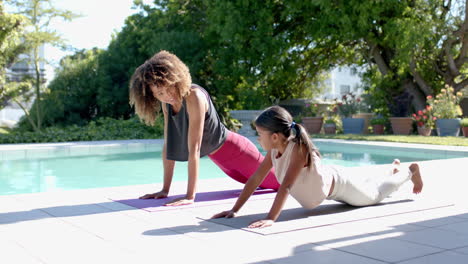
column 400, row 119
column 378, row 125
column 464, row 126
column 364, row 112
column 329, row 126
column 311, row 118
column 425, row 121
column 446, row 107
column 350, row 105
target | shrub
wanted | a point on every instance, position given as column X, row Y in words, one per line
column 330, row 121
column 311, row 109
column 378, row 121
column 464, row 122
column 425, row 118
column 101, row 129
column 350, row 104
column 446, row 104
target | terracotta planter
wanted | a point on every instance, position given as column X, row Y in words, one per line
column 313, row 125
column 378, row 129
column 465, row 131
column 367, row 117
column 329, row 128
column 424, row 131
column 401, row 125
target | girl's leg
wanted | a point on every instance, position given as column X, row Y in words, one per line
column 416, row 178
column 358, row 192
column 239, row 158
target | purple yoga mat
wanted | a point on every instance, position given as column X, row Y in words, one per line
column 202, row 199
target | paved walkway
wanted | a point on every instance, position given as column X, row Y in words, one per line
column 84, row 226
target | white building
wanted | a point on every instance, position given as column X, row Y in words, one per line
column 12, row 113
column 342, row 80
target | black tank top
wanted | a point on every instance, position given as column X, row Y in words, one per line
column 214, row 132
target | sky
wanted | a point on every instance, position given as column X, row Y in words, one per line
column 99, row 20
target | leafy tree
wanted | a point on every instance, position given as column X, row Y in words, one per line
column 256, row 58
column 72, row 96
column 11, row 26
column 144, row 34
column 410, row 48
column 190, row 29
column 39, row 14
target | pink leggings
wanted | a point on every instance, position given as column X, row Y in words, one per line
column 239, row 158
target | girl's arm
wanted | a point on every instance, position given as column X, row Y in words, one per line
column 250, row 186
column 197, row 106
column 168, row 166
column 298, row 159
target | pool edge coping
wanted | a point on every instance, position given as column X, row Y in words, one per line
column 81, row 145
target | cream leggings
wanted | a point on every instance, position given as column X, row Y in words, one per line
column 358, row 191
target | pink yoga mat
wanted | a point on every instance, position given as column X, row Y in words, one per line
column 202, row 199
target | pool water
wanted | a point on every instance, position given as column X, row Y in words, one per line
column 121, row 167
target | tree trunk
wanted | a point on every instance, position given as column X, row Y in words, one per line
column 26, row 113
column 419, row 99
column 38, row 90
column 379, row 60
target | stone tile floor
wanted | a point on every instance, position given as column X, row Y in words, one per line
column 84, row 226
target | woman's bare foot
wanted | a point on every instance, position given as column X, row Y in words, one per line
column 396, row 166
column 416, row 178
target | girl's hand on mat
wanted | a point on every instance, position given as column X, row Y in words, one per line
column 158, row 195
column 180, row 201
column 261, row 223
column 226, row 214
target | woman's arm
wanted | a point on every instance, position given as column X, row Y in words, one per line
column 250, row 186
column 297, row 162
column 197, row 106
column 168, row 166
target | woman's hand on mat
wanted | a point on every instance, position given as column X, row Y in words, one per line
column 225, row 214
column 261, row 223
column 180, row 201
column 158, row 195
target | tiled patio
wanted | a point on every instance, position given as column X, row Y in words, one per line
column 85, row 226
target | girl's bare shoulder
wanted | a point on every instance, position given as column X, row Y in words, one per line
column 299, row 154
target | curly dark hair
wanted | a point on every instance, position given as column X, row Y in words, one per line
column 164, row 69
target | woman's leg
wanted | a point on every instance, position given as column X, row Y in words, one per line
column 239, row 158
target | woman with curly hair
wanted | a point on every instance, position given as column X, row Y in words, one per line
column 192, row 127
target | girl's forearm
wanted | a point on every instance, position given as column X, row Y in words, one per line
column 253, row 182
column 278, row 204
column 249, row 188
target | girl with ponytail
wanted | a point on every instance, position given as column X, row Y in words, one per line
column 299, row 170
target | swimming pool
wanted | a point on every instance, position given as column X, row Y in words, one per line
column 68, row 166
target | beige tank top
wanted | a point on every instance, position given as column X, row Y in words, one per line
column 312, row 185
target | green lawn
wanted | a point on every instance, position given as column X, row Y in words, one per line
column 435, row 140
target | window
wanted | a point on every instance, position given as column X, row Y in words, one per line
column 345, row 89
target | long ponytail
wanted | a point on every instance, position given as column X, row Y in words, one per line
column 278, row 120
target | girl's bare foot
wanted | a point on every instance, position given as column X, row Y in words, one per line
column 416, row 178
column 396, row 166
